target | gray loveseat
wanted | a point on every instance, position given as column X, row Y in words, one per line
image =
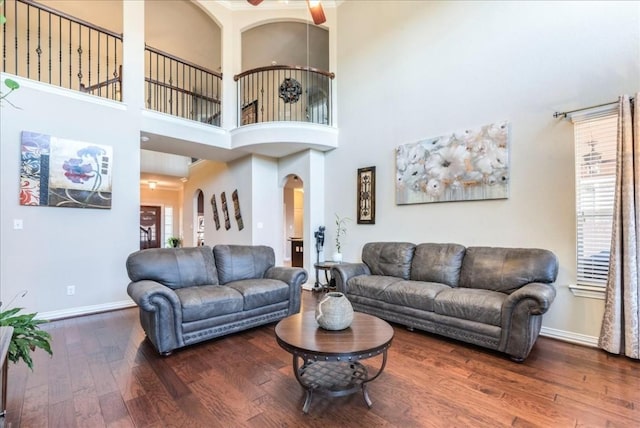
column 492, row 297
column 188, row 295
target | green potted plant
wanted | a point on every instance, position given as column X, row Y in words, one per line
column 341, row 232
column 174, row 241
column 26, row 336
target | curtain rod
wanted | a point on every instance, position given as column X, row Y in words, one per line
column 565, row 113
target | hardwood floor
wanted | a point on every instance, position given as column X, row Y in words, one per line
column 103, row 373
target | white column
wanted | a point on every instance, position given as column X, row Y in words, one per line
column 133, row 55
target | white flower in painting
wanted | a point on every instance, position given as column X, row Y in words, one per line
column 473, row 176
column 467, row 137
column 448, row 163
column 409, row 154
column 434, row 187
column 498, row 177
column 412, row 177
column 435, row 144
column 490, row 158
column 497, row 132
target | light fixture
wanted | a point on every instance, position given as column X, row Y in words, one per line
column 152, row 185
column 315, row 8
column 317, row 13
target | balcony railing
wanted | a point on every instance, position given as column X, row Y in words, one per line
column 284, row 93
column 180, row 88
column 41, row 43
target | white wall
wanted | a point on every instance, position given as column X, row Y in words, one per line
column 59, row 247
column 266, row 205
column 412, row 70
column 215, row 178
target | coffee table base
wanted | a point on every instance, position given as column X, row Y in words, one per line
column 334, row 378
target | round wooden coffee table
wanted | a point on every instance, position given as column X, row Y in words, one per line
column 331, row 359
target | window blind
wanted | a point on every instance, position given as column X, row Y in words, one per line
column 595, row 155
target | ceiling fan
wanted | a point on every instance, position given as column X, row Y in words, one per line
column 315, row 8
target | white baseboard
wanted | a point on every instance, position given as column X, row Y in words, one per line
column 85, row 310
column 307, row 286
column 565, row 336
column 568, row 336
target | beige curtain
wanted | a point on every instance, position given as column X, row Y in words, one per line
column 620, row 333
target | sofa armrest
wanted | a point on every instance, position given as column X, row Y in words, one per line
column 160, row 314
column 522, row 318
column 342, row 272
column 539, row 297
column 292, row 276
column 145, row 292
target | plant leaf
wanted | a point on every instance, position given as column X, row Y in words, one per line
column 11, row 84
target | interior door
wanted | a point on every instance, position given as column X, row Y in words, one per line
column 150, row 227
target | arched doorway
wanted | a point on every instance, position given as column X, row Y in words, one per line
column 293, row 215
column 198, row 225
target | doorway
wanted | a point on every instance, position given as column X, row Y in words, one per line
column 149, row 226
column 199, row 226
column 293, row 198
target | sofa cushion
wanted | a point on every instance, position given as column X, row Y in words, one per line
column 174, row 267
column 260, row 292
column 507, row 269
column 389, row 258
column 238, row 262
column 371, row 286
column 413, row 294
column 437, row 263
column 208, row 301
column 483, row 306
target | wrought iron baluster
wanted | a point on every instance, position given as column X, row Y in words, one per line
column 50, row 63
column 28, row 40
column 184, row 101
column 60, row 50
column 79, row 50
column 89, row 56
column 39, row 48
column 98, row 68
column 4, row 38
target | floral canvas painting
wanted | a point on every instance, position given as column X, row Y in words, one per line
column 57, row 172
column 468, row 165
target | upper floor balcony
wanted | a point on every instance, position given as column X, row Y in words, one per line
column 291, row 103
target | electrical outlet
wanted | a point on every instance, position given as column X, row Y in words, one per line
column 71, row 290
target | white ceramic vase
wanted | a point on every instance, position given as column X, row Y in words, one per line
column 334, row 311
column 337, row 257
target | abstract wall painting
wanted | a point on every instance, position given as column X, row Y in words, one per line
column 58, row 172
column 462, row 166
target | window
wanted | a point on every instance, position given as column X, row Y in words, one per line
column 168, row 223
column 595, row 151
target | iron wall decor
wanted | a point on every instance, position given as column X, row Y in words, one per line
column 290, row 90
column 461, row 166
column 57, row 172
column 236, row 209
column 214, row 206
column 225, row 211
column 367, row 195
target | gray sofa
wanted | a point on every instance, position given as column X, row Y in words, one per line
column 492, row 297
column 188, row 295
